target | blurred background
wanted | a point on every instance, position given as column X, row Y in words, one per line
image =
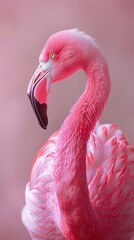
column 24, row 28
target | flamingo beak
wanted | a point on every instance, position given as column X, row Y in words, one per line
column 38, row 90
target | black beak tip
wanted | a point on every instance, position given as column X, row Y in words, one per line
column 41, row 113
column 42, row 124
column 40, row 110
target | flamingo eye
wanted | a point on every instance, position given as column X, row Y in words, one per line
column 52, row 55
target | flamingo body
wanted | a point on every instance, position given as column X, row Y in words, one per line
column 82, row 181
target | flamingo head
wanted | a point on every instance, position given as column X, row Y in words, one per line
column 64, row 53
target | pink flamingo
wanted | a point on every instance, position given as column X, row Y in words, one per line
column 82, row 180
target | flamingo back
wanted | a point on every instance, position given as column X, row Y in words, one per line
column 110, row 180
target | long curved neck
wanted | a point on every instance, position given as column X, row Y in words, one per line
column 78, row 220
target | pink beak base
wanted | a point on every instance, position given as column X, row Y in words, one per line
column 37, row 93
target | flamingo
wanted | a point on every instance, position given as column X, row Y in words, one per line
column 82, row 180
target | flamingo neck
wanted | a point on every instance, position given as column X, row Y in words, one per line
column 78, row 220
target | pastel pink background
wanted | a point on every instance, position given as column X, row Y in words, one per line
column 24, row 28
